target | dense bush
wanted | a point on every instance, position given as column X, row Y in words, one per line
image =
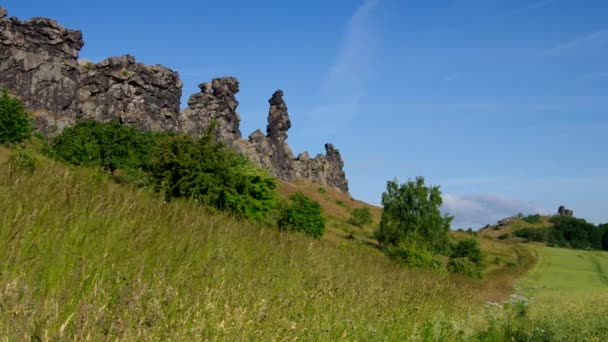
column 411, row 213
column 303, row 215
column 465, row 267
column 16, row 124
column 175, row 165
column 361, row 217
column 212, row 174
column 413, row 255
column 569, row 232
column 468, row 248
column 111, row 146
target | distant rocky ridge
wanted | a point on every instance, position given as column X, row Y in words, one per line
column 39, row 64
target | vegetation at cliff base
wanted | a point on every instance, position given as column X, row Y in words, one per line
column 176, row 166
column 16, row 124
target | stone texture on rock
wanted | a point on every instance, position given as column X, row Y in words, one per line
column 39, row 64
column 215, row 102
column 119, row 88
column 325, row 169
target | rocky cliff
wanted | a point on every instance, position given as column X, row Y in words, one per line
column 39, row 64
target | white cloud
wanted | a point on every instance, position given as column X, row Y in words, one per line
column 477, row 210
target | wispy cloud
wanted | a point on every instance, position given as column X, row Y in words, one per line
column 347, row 79
column 477, row 210
column 595, row 38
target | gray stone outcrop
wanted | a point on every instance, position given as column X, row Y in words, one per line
column 39, row 63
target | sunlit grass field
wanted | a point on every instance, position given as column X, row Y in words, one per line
column 84, row 258
column 569, row 292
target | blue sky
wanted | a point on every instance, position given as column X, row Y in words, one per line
column 502, row 103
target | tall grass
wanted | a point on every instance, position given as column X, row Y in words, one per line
column 83, row 258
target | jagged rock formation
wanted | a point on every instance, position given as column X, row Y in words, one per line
column 39, row 64
column 216, row 102
column 562, row 211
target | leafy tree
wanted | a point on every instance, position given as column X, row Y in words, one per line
column 304, row 215
column 16, row 124
column 361, row 217
column 411, row 213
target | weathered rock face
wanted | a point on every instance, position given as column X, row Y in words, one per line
column 272, row 150
column 325, row 169
column 216, row 102
column 563, row 211
column 39, row 64
column 118, row 88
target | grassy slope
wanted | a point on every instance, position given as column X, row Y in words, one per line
column 572, row 286
column 337, row 207
column 81, row 257
column 515, row 225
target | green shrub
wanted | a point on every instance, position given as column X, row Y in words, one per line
column 214, row 175
column 23, row 160
column 468, row 248
column 360, row 217
column 533, row 219
column 465, row 267
column 111, row 146
column 176, row 166
column 413, row 255
column 16, row 124
column 303, row 215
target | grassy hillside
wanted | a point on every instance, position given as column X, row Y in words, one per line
column 337, row 207
column 84, row 258
column 571, row 287
column 496, row 231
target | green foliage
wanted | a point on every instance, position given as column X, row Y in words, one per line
column 16, row 124
column 361, row 217
column 212, row 174
column 412, row 255
column 303, row 215
column 411, row 213
column 569, row 232
column 23, row 160
column 468, row 248
column 604, row 227
column 533, row 219
column 465, row 267
column 111, row 146
column 175, row 165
